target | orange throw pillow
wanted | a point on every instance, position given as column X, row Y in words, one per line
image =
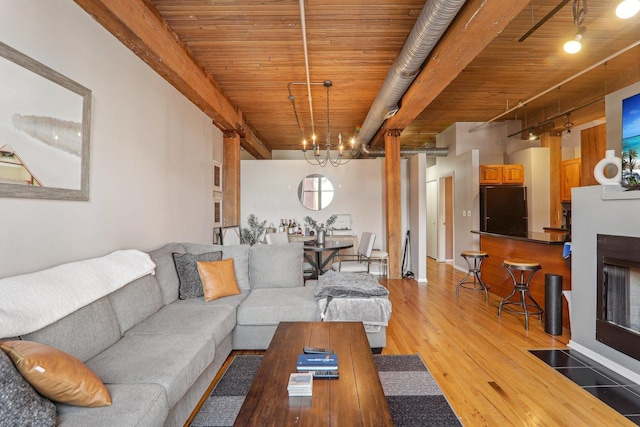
column 218, row 279
column 57, row 375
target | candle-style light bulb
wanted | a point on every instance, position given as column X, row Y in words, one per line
column 304, row 144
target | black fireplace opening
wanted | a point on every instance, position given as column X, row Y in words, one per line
column 618, row 306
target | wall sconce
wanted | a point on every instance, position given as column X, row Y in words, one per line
column 627, row 9
column 574, row 45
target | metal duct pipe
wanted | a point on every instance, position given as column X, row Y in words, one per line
column 430, row 152
column 434, row 19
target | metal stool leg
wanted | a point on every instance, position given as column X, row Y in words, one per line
column 521, row 287
column 475, row 273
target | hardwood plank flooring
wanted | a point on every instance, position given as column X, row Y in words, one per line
column 480, row 361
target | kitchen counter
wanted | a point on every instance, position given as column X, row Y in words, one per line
column 530, row 236
column 545, row 248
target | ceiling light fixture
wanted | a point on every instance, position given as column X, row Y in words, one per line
column 628, row 9
column 579, row 14
column 575, row 44
column 343, row 155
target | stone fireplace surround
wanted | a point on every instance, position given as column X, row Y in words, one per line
column 596, row 211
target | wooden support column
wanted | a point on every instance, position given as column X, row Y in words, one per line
column 554, row 143
column 231, row 179
column 593, row 144
column 392, row 202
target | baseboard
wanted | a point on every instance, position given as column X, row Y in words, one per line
column 625, row 372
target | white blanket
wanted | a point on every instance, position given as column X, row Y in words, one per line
column 32, row 301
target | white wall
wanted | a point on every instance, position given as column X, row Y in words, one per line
column 464, row 169
column 418, row 215
column 269, row 189
column 151, row 149
column 536, row 162
column 591, row 216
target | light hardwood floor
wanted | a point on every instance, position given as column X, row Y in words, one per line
column 481, row 362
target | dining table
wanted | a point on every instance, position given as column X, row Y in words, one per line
column 320, row 255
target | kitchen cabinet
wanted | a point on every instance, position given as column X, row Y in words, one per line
column 511, row 174
column 490, row 174
column 570, row 171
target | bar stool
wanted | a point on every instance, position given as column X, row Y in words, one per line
column 521, row 286
column 476, row 258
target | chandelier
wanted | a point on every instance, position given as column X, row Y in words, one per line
column 321, row 156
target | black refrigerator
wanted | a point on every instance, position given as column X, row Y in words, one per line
column 503, row 210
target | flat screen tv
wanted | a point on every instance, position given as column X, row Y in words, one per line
column 631, row 140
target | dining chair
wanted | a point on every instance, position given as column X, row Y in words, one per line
column 283, row 239
column 361, row 262
column 277, row 238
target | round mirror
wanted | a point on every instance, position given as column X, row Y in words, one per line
column 315, row 192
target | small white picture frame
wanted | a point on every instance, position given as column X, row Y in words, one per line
column 217, row 176
column 217, row 212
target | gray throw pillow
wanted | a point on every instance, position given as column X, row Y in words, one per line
column 187, row 268
column 20, row 404
column 276, row 266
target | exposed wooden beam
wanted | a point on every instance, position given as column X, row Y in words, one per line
column 139, row 26
column 476, row 25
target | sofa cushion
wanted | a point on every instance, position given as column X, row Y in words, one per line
column 218, row 279
column 189, row 317
column 20, row 405
column 239, row 253
column 139, row 405
column 136, row 301
column 276, row 266
column 188, row 276
column 274, row 305
column 57, row 375
column 166, row 270
column 173, row 361
column 84, row 333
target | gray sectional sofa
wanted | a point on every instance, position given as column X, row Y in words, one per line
column 157, row 354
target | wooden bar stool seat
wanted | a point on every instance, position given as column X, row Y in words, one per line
column 521, row 288
column 474, row 262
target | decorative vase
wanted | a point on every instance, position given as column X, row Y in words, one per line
column 320, row 237
column 610, row 159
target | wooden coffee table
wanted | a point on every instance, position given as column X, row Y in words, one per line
column 355, row 399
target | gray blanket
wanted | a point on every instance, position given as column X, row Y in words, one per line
column 349, row 285
column 353, row 297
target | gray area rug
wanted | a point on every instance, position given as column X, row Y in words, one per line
column 413, row 395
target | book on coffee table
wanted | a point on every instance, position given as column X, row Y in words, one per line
column 300, row 384
column 317, row 362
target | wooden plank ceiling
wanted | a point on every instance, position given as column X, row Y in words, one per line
column 252, row 50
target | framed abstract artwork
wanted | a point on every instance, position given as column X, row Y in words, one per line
column 217, row 176
column 217, row 212
column 45, row 123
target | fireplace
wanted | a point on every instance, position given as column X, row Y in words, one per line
column 618, row 306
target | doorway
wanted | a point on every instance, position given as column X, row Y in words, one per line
column 440, row 196
column 432, row 219
column 446, row 243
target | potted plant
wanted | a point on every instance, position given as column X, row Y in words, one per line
column 322, row 228
column 254, row 233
